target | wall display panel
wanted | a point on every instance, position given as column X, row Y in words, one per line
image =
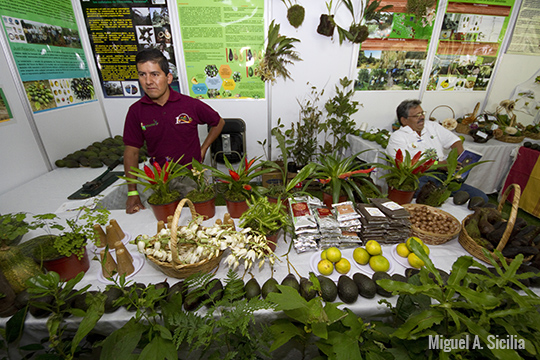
column 117, row 31
column 526, row 36
column 46, row 46
column 223, row 42
column 394, row 55
column 5, row 110
column 469, row 45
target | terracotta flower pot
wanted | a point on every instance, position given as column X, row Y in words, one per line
column 272, row 240
column 236, row 208
column 328, row 199
column 206, row 208
column 68, row 267
column 399, row 196
column 284, row 201
column 161, row 212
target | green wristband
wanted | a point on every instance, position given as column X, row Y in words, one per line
column 133, row 193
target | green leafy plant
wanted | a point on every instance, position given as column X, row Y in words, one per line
column 404, row 172
column 228, row 328
column 62, row 344
column 339, row 123
column 264, row 216
column 204, row 190
column 73, row 238
column 295, row 13
column 339, row 176
column 14, row 226
column 238, row 180
column 479, row 305
column 158, row 180
column 278, row 55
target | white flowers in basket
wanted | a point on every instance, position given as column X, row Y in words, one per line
column 207, row 242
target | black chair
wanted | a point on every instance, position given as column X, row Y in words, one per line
column 231, row 143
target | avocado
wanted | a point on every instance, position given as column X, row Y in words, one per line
column 475, row 201
column 215, row 291
column 398, row 277
column 380, row 275
column 290, row 280
column 328, row 288
column 366, row 286
column 461, row 197
column 113, row 294
column 177, row 288
column 193, row 300
column 268, row 287
column 72, row 163
column 60, row 163
column 234, row 289
column 409, row 272
column 347, row 289
column 22, row 299
column 162, row 285
column 252, row 289
column 305, row 285
column 39, row 312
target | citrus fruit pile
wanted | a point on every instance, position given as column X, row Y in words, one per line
column 372, row 254
column 331, row 259
column 405, row 250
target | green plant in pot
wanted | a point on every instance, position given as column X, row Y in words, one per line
column 404, row 171
column 435, row 193
column 266, row 218
column 340, row 176
column 158, row 180
column 204, row 195
column 13, row 226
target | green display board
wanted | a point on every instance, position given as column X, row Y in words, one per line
column 222, row 43
column 47, row 50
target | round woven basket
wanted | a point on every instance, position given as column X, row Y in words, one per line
column 431, row 238
column 510, row 138
column 476, row 250
column 463, row 129
column 175, row 269
column 535, row 136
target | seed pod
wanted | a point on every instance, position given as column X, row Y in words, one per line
column 118, row 229
column 125, row 265
column 101, row 237
column 120, row 245
column 109, row 266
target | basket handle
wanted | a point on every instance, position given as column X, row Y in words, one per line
column 436, row 107
column 513, row 213
column 174, row 227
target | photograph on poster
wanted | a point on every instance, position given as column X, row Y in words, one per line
column 461, row 72
column 469, row 27
column 5, row 111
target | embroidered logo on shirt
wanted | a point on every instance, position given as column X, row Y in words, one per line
column 183, row 119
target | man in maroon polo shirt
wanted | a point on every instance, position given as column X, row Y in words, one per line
column 166, row 120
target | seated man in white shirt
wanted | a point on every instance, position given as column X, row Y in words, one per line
column 417, row 134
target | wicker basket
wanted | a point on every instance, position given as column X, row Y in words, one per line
column 431, row 238
column 510, row 138
column 535, row 136
column 432, row 118
column 463, row 129
column 476, row 250
column 176, row 269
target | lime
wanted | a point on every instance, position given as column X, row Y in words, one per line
column 361, row 256
column 333, row 254
column 426, row 249
column 379, row 263
column 415, row 261
column 373, row 247
column 323, row 254
column 343, row 266
column 325, row 267
column 413, row 238
column 402, row 250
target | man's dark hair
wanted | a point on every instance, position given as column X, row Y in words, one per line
column 406, row 105
column 153, row 55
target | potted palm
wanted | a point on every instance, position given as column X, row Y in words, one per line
column 238, row 182
column 163, row 200
column 265, row 217
column 403, row 174
column 203, row 196
column 340, row 178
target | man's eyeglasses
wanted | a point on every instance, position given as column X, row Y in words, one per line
column 417, row 116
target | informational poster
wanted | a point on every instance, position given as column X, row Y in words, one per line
column 223, row 43
column 5, row 111
column 526, row 36
column 394, row 55
column 469, row 45
column 46, row 46
column 117, row 31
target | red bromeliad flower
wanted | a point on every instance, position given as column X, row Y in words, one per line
column 167, row 171
column 323, row 181
column 416, row 157
column 234, row 175
column 247, row 187
column 248, row 165
column 424, row 167
column 149, row 173
column 399, row 158
column 346, row 175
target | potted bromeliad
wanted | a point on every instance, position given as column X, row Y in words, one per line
column 203, row 196
column 403, row 174
column 265, row 217
column 164, row 199
column 341, row 179
column 238, row 183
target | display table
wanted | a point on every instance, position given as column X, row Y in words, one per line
column 487, row 177
column 50, row 191
column 525, row 172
